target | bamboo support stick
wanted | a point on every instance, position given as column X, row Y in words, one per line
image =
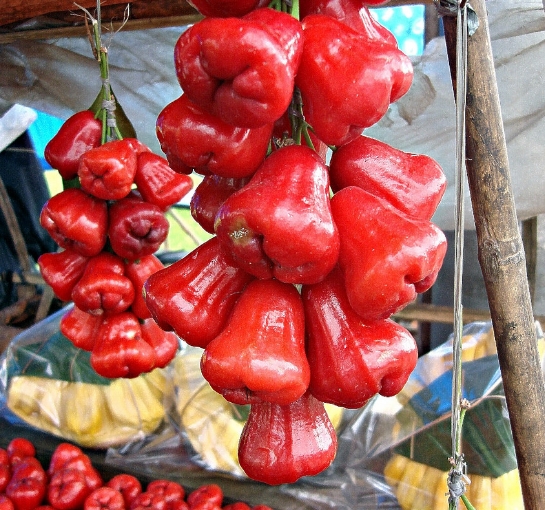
column 502, row 258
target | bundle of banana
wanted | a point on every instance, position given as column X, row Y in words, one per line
column 418, row 467
column 52, row 387
column 211, row 424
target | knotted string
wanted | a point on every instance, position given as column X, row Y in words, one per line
column 109, row 105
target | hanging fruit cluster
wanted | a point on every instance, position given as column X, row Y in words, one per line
column 291, row 299
column 109, row 222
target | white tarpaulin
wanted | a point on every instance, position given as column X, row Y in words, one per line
column 60, row 77
column 424, row 120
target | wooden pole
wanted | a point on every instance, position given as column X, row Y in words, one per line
column 502, row 259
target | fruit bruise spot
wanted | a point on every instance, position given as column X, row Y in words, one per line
column 239, row 234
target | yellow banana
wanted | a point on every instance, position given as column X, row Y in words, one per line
column 440, row 496
column 157, row 382
column 469, row 346
column 82, row 409
column 37, row 401
column 212, row 430
column 479, row 492
column 394, row 469
column 482, row 349
column 335, row 414
column 150, row 407
column 132, row 404
column 421, row 487
column 24, row 396
column 426, row 492
column 515, row 500
column 121, row 404
column 500, row 489
column 409, row 485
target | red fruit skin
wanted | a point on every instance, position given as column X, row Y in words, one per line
column 412, row 183
column 239, row 505
column 104, row 293
column 62, row 454
column 283, row 131
column 170, row 491
column 194, row 139
column 83, row 463
column 5, row 469
column 77, row 221
column 149, row 501
column 67, row 489
column 61, row 271
column 386, row 257
column 6, row 503
column 78, row 134
column 280, row 224
column 138, row 271
column 158, row 183
column 128, row 485
column 194, row 296
column 209, row 494
column 28, row 484
column 271, row 445
column 350, row 361
column 104, row 498
column 371, row 76
column 136, row 228
column 210, row 195
column 120, row 350
column 165, row 344
column 352, row 13
column 241, row 69
column 103, row 288
column 227, row 8
column 19, row 448
column 260, row 355
column 108, row 171
column 81, row 328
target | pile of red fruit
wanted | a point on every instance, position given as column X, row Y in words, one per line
column 71, row 482
column 109, row 223
column 292, row 297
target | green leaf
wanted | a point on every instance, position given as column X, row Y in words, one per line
column 487, row 442
column 56, row 358
column 123, row 123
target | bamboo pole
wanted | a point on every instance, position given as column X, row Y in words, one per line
column 501, row 257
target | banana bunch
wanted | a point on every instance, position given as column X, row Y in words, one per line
column 421, row 487
column 211, row 424
column 89, row 414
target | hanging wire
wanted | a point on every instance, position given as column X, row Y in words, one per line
column 461, row 86
column 466, row 24
column 457, row 480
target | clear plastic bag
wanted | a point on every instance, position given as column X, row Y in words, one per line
column 49, row 384
column 411, row 430
column 406, row 440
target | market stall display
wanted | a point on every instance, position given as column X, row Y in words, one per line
column 70, row 481
column 303, row 258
